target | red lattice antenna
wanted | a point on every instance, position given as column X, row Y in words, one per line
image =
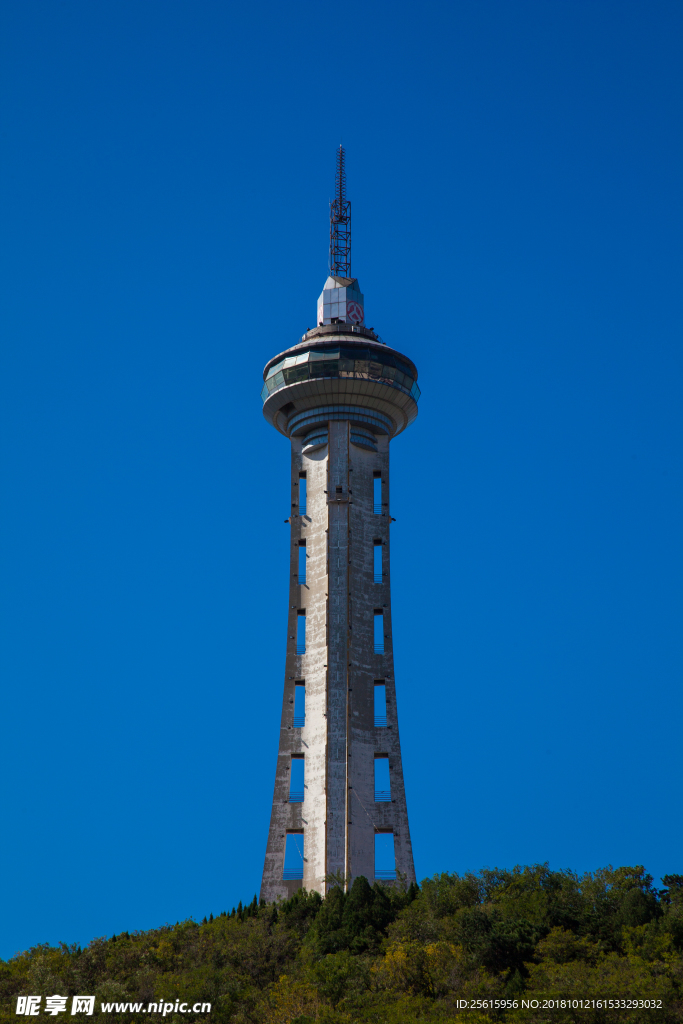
column 340, row 222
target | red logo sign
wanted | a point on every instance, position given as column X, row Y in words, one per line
column 354, row 312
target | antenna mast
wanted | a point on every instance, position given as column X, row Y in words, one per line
column 340, row 223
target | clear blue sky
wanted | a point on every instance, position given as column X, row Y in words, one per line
column 515, row 173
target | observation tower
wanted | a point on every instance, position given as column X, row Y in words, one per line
column 340, row 395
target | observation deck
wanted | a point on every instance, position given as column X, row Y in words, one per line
column 340, row 371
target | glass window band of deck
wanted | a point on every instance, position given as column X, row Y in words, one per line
column 363, row 439
column 319, row 438
column 316, row 439
column 303, row 421
column 362, row 364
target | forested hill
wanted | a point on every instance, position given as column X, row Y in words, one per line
column 392, row 954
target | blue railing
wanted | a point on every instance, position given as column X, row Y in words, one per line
column 302, row 577
column 292, row 876
column 382, row 796
column 302, row 510
column 385, row 873
column 301, row 648
column 377, row 509
column 379, row 648
column 296, row 796
column 299, row 721
column 379, row 577
column 381, row 721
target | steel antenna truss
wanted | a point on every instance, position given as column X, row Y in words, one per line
column 340, row 222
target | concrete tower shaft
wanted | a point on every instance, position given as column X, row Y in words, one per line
column 340, row 395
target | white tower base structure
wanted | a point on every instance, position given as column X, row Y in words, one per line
column 340, row 395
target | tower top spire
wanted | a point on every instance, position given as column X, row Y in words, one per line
column 340, row 222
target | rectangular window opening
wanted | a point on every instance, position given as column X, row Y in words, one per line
column 379, row 631
column 301, row 631
column 299, row 705
column 385, row 858
column 294, row 856
column 302, row 494
column 296, row 779
column 302, row 561
column 377, row 494
column 377, row 565
column 382, row 780
column 380, row 704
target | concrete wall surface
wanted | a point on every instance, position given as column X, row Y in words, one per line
column 339, row 817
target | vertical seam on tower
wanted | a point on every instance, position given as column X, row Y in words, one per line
column 348, row 652
column 327, row 678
